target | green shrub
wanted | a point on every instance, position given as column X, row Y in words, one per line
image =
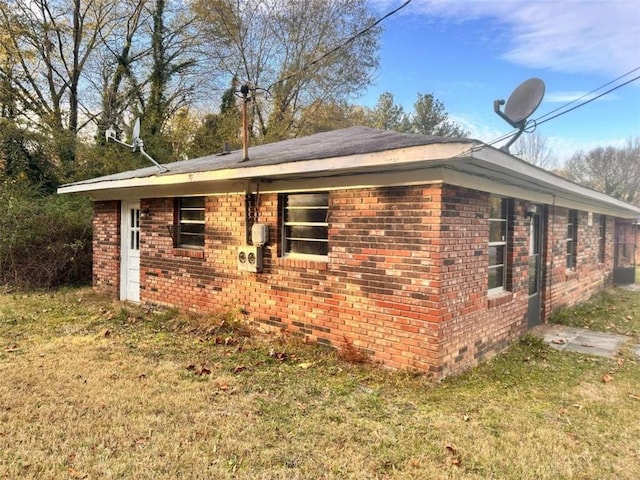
column 45, row 240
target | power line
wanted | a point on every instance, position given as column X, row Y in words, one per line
column 589, row 93
column 538, row 122
column 543, row 119
column 342, row 45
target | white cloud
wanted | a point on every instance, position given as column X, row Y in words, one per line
column 577, row 36
column 567, row 97
column 477, row 128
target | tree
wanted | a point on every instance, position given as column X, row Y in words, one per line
column 218, row 130
column 24, row 156
column 387, row 115
column 50, row 42
column 611, row 170
column 114, row 73
column 534, row 149
column 283, row 46
column 428, row 118
column 327, row 116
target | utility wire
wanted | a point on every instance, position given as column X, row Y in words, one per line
column 546, row 117
column 538, row 122
column 342, row 45
column 589, row 93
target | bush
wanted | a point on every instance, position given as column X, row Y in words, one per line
column 45, row 240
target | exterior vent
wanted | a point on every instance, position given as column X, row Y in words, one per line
column 250, row 258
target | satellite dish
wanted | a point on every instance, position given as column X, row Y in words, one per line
column 136, row 130
column 136, row 143
column 524, row 100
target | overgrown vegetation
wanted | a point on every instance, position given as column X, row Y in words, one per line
column 69, row 71
column 45, row 240
column 93, row 388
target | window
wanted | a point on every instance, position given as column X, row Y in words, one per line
column 305, row 224
column 602, row 240
column 497, row 243
column 572, row 238
column 190, row 223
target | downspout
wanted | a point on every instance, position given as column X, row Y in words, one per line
column 552, row 225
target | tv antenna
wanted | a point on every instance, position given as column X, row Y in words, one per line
column 524, row 100
column 136, row 143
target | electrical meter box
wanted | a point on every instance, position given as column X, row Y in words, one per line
column 259, row 234
column 250, row 258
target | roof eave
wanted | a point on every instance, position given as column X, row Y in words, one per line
column 494, row 160
column 386, row 160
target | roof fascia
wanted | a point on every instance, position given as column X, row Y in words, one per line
column 559, row 199
column 419, row 176
column 564, row 191
column 385, row 160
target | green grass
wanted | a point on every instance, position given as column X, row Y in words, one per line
column 92, row 388
column 614, row 310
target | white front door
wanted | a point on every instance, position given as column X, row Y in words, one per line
column 130, row 252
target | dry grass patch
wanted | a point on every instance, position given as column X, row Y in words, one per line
column 95, row 389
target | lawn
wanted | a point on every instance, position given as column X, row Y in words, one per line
column 92, row 388
column 613, row 310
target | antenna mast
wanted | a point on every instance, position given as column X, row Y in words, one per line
column 244, row 90
column 137, row 144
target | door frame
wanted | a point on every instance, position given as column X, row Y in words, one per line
column 534, row 307
column 624, row 252
column 125, row 230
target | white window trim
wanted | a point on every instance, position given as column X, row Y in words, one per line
column 181, row 222
column 501, row 288
column 285, row 224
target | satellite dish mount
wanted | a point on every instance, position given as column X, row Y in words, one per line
column 524, row 100
column 136, row 143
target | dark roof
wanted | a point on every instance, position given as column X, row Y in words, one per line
column 337, row 143
column 361, row 150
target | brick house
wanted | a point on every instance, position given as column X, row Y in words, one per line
column 428, row 253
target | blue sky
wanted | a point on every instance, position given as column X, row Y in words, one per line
column 469, row 53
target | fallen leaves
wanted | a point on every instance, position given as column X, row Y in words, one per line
column 225, row 384
column 199, row 370
column 225, row 341
column 75, row 473
column 453, row 456
column 280, row 355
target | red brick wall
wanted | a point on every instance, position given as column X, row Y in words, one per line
column 406, row 279
column 378, row 291
column 106, row 246
column 568, row 287
column 476, row 324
